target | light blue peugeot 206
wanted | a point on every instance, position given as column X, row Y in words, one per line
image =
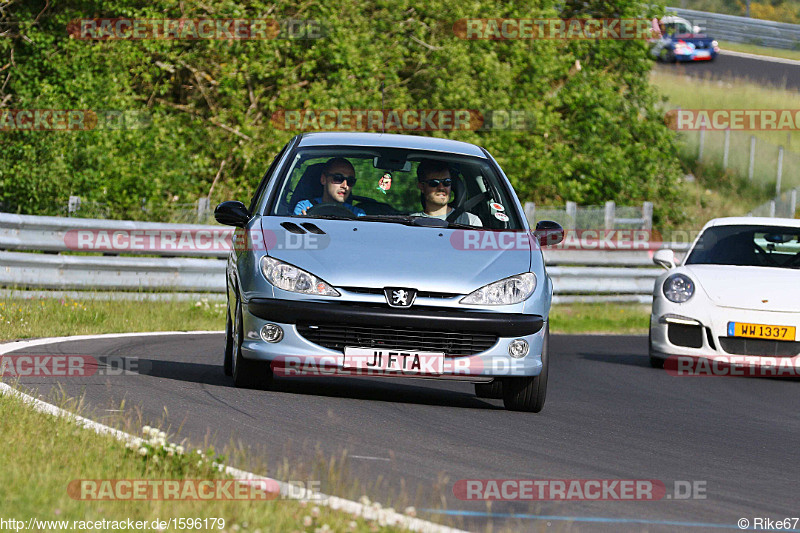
column 366, row 254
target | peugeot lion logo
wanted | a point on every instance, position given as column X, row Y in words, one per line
column 400, row 297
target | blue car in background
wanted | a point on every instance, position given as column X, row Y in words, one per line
column 678, row 40
column 365, row 254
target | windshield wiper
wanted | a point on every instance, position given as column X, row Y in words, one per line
column 456, row 225
column 327, row 217
column 403, row 219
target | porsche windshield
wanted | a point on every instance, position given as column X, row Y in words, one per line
column 396, row 185
column 770, row 246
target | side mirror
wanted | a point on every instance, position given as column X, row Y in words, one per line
column 548, row 233
column 232, row 213
column 664, row 258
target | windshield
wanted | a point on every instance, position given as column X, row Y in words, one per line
column 395, row 186
column 770, row 246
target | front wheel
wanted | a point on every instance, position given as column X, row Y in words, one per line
column 227, row 362
column 655, row 362
column 528, row 393
column 492, row 391
column 247, row 374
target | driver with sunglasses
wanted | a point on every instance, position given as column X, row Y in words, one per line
column 338, row 179
column 435, row 183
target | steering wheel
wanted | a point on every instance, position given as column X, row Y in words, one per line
column 334, row 209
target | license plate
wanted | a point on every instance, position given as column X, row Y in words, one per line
column 761, row 331
column 400, row 361
column 702, row 53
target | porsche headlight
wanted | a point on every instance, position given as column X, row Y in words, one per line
column 512, row 290
column 290, row 278
column 678, row 288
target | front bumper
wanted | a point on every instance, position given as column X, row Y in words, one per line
column 295, row 317
column 700, row 331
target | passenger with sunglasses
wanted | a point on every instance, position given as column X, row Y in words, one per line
column 435, row 184
column 338, row 179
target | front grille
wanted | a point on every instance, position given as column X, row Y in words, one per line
column 759, row 347
column 420, row 294
column 452, row 343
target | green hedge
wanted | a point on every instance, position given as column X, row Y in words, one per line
column 596, row 135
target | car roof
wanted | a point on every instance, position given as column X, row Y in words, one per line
column 390, row 140
column 753, row 221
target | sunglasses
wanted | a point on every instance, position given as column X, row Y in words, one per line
column 339, row 178
column 447, row 182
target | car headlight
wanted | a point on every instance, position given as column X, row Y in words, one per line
column 678, row 288
column 290, row 278
column 512, row 290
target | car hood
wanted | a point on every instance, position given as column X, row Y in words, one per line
column 748, row 287
column 380, row 254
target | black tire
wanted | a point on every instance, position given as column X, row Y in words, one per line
column 227, row 362
column 528, row 393
column 492, row 391
column 655, row 362
column 247, row 374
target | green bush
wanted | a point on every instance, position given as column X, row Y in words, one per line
column 596, row 134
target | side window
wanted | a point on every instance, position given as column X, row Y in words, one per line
column 268, row 176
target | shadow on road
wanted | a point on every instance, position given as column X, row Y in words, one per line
column 398, row 390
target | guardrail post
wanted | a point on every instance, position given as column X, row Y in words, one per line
column 73, row 205
column 572, row 215
column 727, row 149
column 202, row 208
column 780, row 171
column 792, row 203
column 530, row 213
column 752, row 157
column 772, row 209
column 647, row 215
column 702, row 143
column 610, row 215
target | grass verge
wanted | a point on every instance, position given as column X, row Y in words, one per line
column 760, row 50
column 23, row 318
column 49, row 318
column 599, row 318
column 43, row 454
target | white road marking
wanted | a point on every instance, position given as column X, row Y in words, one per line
column 760, row 57
column 368, row 458
column 287, row 490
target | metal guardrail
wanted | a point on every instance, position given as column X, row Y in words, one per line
column 604, row 275
column 743, row 29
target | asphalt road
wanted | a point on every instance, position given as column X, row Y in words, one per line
column 608, row 416
column 730, row 67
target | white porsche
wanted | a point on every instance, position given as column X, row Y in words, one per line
column 736, row 293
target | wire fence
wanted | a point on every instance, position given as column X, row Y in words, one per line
column 607, row 216
column 762, row 162
column 198, row 212
column 784, row 205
